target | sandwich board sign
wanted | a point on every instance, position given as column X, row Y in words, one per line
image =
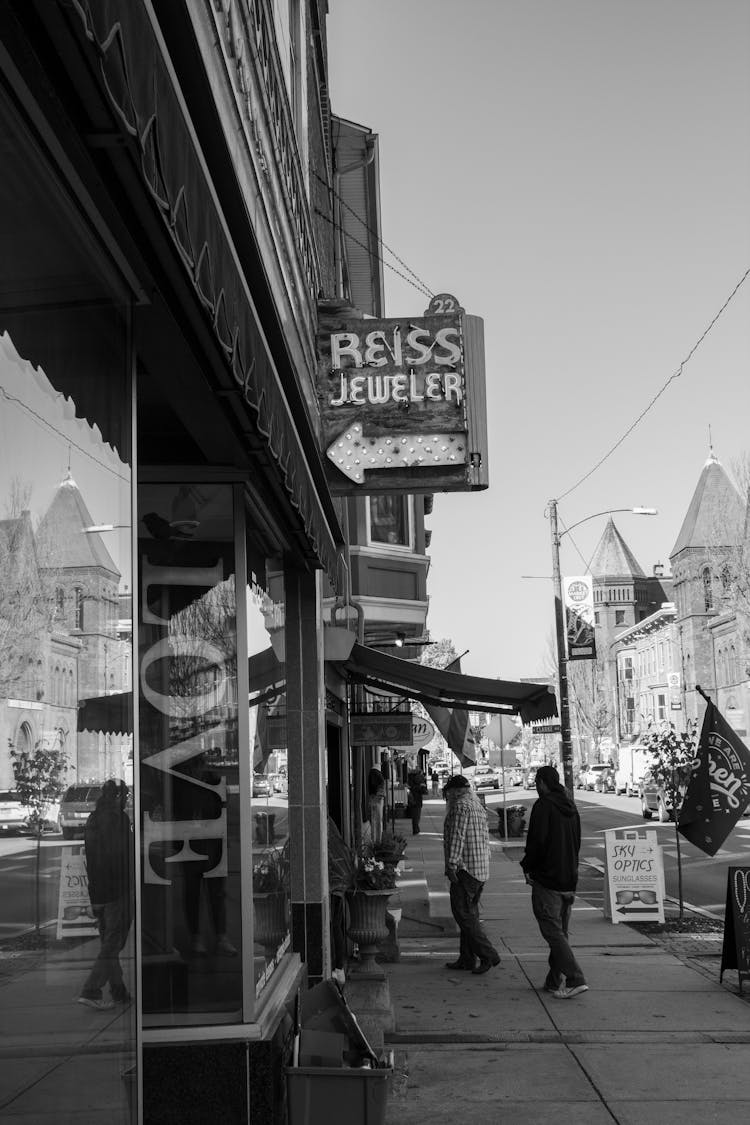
column 634, row 883
column 75, row 918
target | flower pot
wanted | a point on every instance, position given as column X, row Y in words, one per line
column 367, row 924
column 270, row 920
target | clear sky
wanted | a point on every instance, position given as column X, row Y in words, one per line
column 576, row 172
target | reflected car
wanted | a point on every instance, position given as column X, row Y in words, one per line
column 76, row 806
column 12, row 813
column 261, row 786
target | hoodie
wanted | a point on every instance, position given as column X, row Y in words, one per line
column 553, row 842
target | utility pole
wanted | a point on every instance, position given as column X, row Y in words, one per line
column 566, row 743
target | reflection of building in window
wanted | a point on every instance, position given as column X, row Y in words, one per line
column 389, row 520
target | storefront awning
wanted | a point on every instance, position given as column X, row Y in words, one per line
column 449, row 689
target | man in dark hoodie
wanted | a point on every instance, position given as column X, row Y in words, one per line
column 108, row 839
column 551, row 867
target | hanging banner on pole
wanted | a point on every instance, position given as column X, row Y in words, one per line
column 578, row 595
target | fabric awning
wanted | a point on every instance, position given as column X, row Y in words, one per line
column 449, row 689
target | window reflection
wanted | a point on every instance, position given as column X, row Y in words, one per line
column 65, row 638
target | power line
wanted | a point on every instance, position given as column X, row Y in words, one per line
column 660, row 392
column 24, row 406
column 419, row 283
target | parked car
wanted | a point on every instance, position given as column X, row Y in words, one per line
column 589, row 777
column 12, row 813
column 261, row 786
column 656, row 799
column 605, row 781
column 77, row 804
column 528, row 781
column 485, row 777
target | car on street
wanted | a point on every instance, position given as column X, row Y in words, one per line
column 12, row 813
column 485, row 777
column 589, row 777
column 261, row 786
column 655, row 798
column 530, row 775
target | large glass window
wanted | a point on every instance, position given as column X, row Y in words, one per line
column 213, row 767
column 66, row 938
column 192, row 903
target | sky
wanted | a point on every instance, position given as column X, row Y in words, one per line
column 577, row 173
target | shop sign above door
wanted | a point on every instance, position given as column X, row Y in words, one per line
column 402, row 400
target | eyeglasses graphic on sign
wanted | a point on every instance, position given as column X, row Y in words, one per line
column 648, row 898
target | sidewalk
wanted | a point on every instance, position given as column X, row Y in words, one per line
column 653, row 1040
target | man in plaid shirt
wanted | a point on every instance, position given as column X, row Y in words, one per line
column 466, row 843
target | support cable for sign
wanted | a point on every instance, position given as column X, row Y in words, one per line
column 375, row 235
column 347, row 234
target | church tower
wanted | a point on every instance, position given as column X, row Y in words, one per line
column 712, row 528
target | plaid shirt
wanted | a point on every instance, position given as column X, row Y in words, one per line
column 466, row 841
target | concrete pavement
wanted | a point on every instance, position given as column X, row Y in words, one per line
column 653, row 1040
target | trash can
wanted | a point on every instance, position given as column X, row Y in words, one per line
column 358, row 1096
column 512, row 820
column 265, row 831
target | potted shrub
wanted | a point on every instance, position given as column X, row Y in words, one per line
column 270, row 897
column 374, row 881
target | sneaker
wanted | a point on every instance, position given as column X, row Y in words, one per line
column 224, row 947
column 99, row 1004
column 569, row 993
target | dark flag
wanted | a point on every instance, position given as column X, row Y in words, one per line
column 454, row 725
column 719, row 787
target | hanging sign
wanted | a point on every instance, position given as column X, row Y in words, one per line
column 578, row 594
column 373, row 729
column 402, row 400
column 634, row 876
column 735, row 953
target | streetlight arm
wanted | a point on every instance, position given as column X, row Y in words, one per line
column 609, row 512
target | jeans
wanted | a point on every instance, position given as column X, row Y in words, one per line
column 552, row 912
column 114, row 919
column 464, row 897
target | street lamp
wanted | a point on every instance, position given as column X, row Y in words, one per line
column 562, row 659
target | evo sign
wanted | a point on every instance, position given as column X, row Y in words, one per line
column 402, row 400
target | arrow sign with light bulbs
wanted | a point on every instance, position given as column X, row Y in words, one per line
column 402, row 401
column 354, row 453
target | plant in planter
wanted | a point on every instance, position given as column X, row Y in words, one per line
column 374, row 882
column 270, row 898
column 390, row 849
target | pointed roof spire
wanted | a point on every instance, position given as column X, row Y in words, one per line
column 613, row 558
column 716, row 514
column 62, row 540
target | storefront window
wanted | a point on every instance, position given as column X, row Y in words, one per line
column 215, row 828
column 189, row 755
column 270, row 788
column 65, row 644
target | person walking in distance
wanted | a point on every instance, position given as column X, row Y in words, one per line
column 108, row 841
column 466, row 843
column 550, row 865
